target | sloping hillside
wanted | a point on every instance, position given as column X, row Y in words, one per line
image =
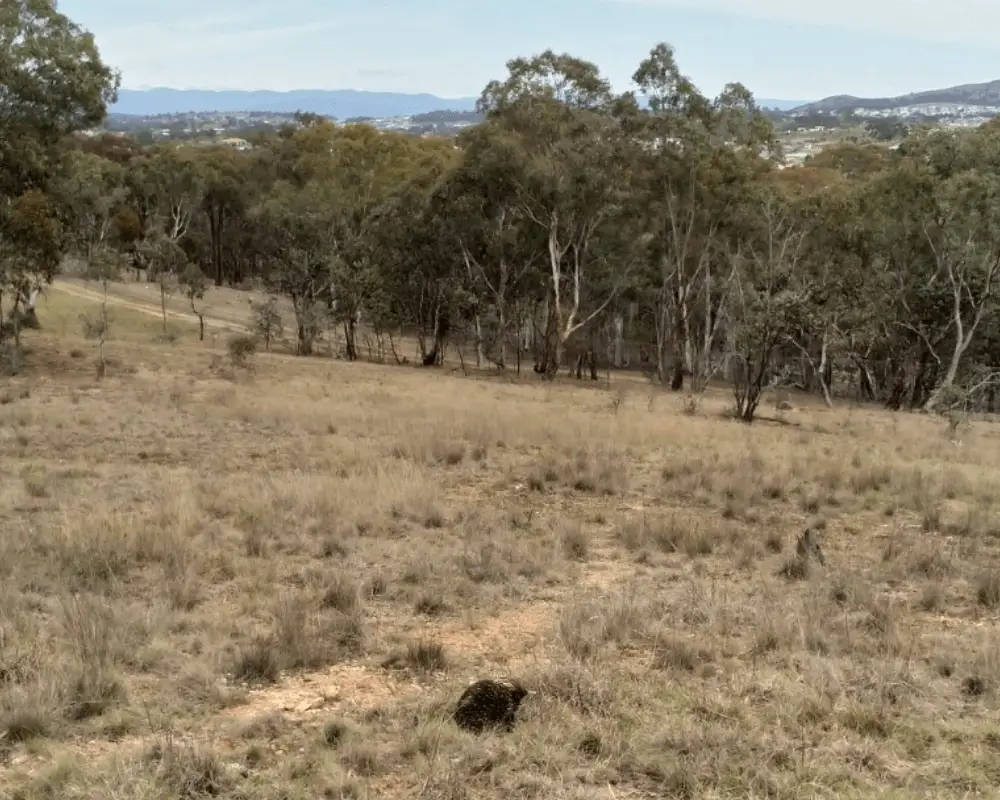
column 985, row 94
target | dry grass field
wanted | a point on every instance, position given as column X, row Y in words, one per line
column 274, row 584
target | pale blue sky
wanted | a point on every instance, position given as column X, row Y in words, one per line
column 787, row 49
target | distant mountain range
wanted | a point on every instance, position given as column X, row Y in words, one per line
column 969, row 94
column 339, row 103
column 778, row 105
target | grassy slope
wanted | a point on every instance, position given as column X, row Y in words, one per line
column 364, row 541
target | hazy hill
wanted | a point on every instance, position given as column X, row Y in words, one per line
column 980, row 94
column 778, row 105
column 340, row 103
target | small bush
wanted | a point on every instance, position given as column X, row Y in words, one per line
column 575, row 543
column 635, row 532
column 795, row 569
column 92, row 693
column 36, row 484
column 93, row 328
column 453, row 454
column 685, row 535
column 362, row 758
column 22, row 721
column 430, row 604
column 425, row 656
column 191, row 773
column 241, row 350
column 255, row 543
column 300, row 641
column 268, row 323
column 377, row 585
column 988, row 589
column 343, row 594
column 930, row 597
column 679, row 654
column 259, row 663
column 335, row 732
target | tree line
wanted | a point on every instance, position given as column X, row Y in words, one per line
column 574, row 228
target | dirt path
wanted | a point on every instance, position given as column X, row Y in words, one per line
column 93, row 295
column 507, row 643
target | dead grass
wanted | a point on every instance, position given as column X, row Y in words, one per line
column 277, row 583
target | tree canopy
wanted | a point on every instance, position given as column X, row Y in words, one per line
column 52, row 84
column 574, row 227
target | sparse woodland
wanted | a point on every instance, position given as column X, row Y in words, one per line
column 576, row 229
column 258, row 576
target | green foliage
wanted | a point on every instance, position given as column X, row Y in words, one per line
column 166, row 260
column 54, row 84
column 268, row 324
column 31, row 241
column 574, row 224
column 193, row 282
column 886, row 129
column 242, row 349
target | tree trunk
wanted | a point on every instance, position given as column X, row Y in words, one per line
column 441, row 328
column 681, row 344
column 215, row 225
column 502, row 322
column 677, row 374
column 894, row 401
column 618, row 326
column 551, row 355
column 163, row 306
column 480, row 355
column 539, row 344
column 920, row 381
column 592, row 354
column 662, row 323
column 824, row 371
column 350, row 338
column 303, row 341
column 555, row 357
column 866, row 380
column 304, row 344
column 949, row 377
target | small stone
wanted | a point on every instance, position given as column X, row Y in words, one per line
column 311, row 705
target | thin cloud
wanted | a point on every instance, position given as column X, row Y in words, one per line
column 379, row 72
column 970, row 22
column 195, row 47
column 214, row 32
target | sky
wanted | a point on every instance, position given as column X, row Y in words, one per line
column 782, row 49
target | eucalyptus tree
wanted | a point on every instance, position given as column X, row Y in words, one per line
column 226, row 193
column 53, row 84
column 91, row 190
column 698, row 160
column 768, row 296
column 501, row 249
column 300, row 250
column 368, row 169
column 936, row 231
column 839, row 323
column 572, row 185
